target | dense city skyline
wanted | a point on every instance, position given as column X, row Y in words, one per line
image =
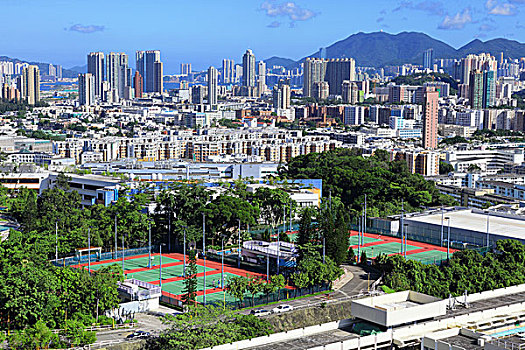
column 267, row 27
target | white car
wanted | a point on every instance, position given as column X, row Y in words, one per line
column 260, row 312
column 282, row 308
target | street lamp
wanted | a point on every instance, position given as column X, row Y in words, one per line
column 448, row 238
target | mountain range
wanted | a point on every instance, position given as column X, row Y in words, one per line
column 380, row 49
column 376, row 49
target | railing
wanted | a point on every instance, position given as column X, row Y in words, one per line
column 506, row 344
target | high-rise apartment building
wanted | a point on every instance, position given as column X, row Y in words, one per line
column 31, row 84
column 350, row 92
column 86, row 89
column 113, row 70
column 95, row 67
column 430, row 118
column 248, row 69
column 213, row 76
column 428, row 59
column 281, row 96
column 228, row 71
column 151, row 73
column 476, row 90
column 489, row 89
column 332, row 71
column 138, row 84
column 261, row 78
column 185, row 69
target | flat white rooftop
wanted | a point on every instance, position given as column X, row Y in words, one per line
column 473, row 221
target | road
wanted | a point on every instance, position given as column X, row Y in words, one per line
column 363, row 277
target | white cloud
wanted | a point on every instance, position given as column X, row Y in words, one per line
column 456, row 22
column 505, row 9
column 288, row 9
column 86, row 29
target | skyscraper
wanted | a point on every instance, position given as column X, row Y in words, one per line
column 158, row 74
column 96, row 69
column 228, row 71
column 113, row 70
column 31, row 84
column 314, row 72
column 350, row 92
column 86, row 89
column 428, row 59
column 430, row 118
column 151, row 74
column 212, row 86
column 138, row 84
column 140, row 64
column 248, row 69
column 489, row 89
column 476, row 89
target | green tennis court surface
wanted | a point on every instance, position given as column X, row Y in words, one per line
column 428, row 256
column 387, row 248
column 136, row 263
column 212, row 281
column 355, row 239
column 167, row 272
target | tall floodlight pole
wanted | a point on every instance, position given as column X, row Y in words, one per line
column 358, row 239
column 89, row 250
column 330, row 199
column 239, row 244
column 184, row 252
column 116, row 244
column 291, row 216
column 364, row 223
column 149, row 246
column 169, row 233
column 204, row 253
column 222, row 263
column 56, row 241
column 448, row 239
column 123, row 255
column 160, row 270
column 442, row 228
column 488, row 226
column 402, row 225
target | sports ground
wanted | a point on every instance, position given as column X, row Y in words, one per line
column 172, row 274
column 375, row 245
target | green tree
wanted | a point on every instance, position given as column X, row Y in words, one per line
column 300, row 281
column 190, row 280
column 237, row 286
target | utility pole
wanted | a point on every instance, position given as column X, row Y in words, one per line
column 204, row 253
column 364, row 223
column 402, row 226
column 448, row 240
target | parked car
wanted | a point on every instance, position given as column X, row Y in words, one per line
column 138, row 335
column 282, row 308
column 260, row 312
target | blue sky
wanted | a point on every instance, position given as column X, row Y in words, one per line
column 203, row 32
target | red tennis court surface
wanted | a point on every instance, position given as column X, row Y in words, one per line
column 172, row 274
column 375, row 244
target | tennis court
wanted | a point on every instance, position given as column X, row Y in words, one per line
column 172, row 274
column 374, row 245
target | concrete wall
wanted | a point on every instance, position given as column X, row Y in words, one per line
column 141, row 305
